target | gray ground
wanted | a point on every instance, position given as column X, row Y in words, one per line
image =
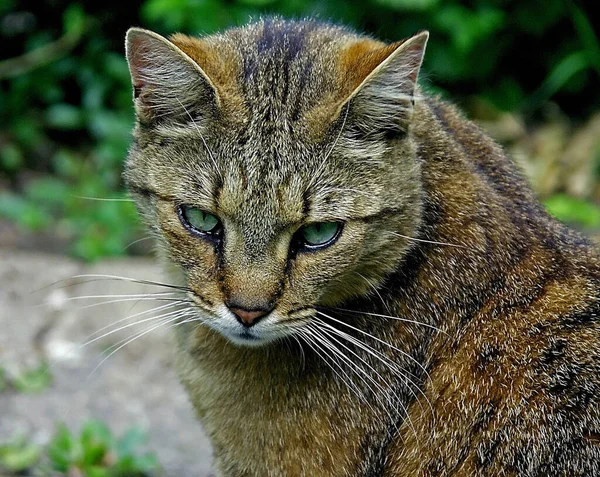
column 135, row 386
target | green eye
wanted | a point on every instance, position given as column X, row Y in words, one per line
column 198, row 220
column 320, row 234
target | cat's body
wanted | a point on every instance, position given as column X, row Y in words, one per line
column 492, row 366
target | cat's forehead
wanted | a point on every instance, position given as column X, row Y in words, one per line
column 280, row 73
column 272, row 182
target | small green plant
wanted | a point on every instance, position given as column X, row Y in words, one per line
column 33, row 380
column 96, row 452
column 30, row 380
column 18, row 455
column 3, row 380
column 571, row 210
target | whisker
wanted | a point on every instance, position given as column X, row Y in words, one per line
column 94, row 277
column 394, row 367
column 129, row 325
column 398, row 318
column 104, row 199
column 123, row 295
column 320, row 348
column 332, row 148
column 301, row 351
column 379, row 340
column 141, row 313
column 99, row 277
column 375, row 290
column 131, row 244
column 192, row 319
column 210, row 154
column 130, row 340
column 388, row 400
column 434, row 242
column 356, row 369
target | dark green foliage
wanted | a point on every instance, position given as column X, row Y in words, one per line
column 65, row 99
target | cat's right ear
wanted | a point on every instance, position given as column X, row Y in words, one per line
column 167, row 84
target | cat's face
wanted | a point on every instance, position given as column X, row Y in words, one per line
column 276, row 167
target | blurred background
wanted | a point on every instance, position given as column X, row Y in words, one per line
column 527, row 70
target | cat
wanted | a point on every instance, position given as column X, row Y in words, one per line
column 368, row 285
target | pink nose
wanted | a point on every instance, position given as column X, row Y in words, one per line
column 248, row 317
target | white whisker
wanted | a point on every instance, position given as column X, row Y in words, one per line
column 391, row 365
column 141, row 313
column 434, row 242
column 210, row 154
column 135, row 323
column 398, row 318
column 320, row 346
column 104, row 199
column 121, row 344
column 360, row 372
column 398, row 399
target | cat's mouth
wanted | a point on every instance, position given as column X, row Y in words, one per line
column 269, row 329
column 246, row 337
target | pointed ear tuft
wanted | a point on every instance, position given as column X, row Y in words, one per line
column 382, row 102
column 167, row 83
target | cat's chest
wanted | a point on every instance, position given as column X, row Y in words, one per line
column 288, row 425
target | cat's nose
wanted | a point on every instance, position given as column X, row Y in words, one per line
column 248, row 318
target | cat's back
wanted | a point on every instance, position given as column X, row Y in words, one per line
column 516, row 389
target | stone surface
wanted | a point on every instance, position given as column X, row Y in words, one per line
column 43, row 317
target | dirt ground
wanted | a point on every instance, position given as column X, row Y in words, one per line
column 44, row 320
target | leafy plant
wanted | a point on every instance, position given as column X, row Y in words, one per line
column 33, row 380
column 19, row 455
column 94, row 452
column 97, row 453
column 574, row 211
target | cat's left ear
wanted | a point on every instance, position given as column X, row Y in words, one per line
column 382, row 82
column 168, row 85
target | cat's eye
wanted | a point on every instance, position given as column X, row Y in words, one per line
column 199, row 221
column 320, row 234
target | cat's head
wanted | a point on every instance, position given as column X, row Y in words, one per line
column 276, row 166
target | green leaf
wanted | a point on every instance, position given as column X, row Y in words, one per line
column 11, row 157
column 96, row 442
column 574, row 211
column 133, row 438
column 19, row 455
column 64, row 116
column 34, row 380
column 63, row 450
column 3, row 380
column 409, row 5
column 74, row 20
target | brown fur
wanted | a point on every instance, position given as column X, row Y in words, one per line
column 488, row 306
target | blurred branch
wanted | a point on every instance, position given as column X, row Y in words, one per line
column 558, row 77
column 587, row 35
column 41, row 56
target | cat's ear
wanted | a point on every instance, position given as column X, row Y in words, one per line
column 167, row 83
column 382, row 82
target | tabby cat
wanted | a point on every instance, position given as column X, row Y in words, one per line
column 370, row 287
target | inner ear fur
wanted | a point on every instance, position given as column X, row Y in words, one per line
column 379, row 84
column 167, row 83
